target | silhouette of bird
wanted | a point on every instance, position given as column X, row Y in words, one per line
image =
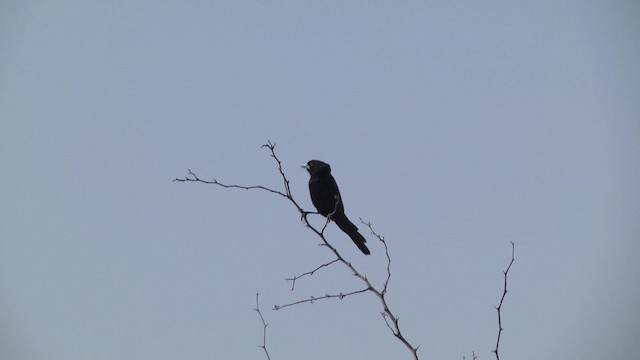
column 325, row 196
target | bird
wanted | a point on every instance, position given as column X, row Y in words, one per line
column 326, row 198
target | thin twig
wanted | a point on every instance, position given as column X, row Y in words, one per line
column 386, row 251
column 272, row 146
column 296, row 277
column 192, row 177
column 313, row 299
column 264, row 328
column 499, row 308
column 387, row 315
column 473, row 355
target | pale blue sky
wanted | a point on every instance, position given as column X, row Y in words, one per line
column 455, row 127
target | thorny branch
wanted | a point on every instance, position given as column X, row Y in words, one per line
column 499, row 308
column 394, row 326
column 192, row 177
column 386, row 251
column 390, row 319
column 313, row 299
column 296, row 277
column 264, row 328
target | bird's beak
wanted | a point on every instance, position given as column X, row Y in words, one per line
column 305, row 166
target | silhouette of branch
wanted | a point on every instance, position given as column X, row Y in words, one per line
column 390, row 319
column 387, row 315
column 296, row 277
column 194, row 178
column 473, row 356
column 264, row 328
column 271, row 146
column 499, row 307
column 386, row 251
column 313, row 299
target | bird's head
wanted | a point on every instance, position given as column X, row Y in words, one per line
column 317, row 167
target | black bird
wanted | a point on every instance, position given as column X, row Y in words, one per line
column 326, row 198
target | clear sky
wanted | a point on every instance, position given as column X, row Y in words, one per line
column 454, row 127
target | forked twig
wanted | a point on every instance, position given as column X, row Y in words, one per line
column 473, row 355
column 387, row 315
column 264, row 328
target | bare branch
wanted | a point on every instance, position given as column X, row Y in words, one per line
column 499, row 308
column 264, row 328
column 473, row 356
column 387, row 315
column 296, row 277
column 272, row 146
column 390, row 319
column 313, row 299
column 386, row 251
column 194, row 178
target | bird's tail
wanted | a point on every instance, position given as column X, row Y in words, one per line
column 350, row 229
